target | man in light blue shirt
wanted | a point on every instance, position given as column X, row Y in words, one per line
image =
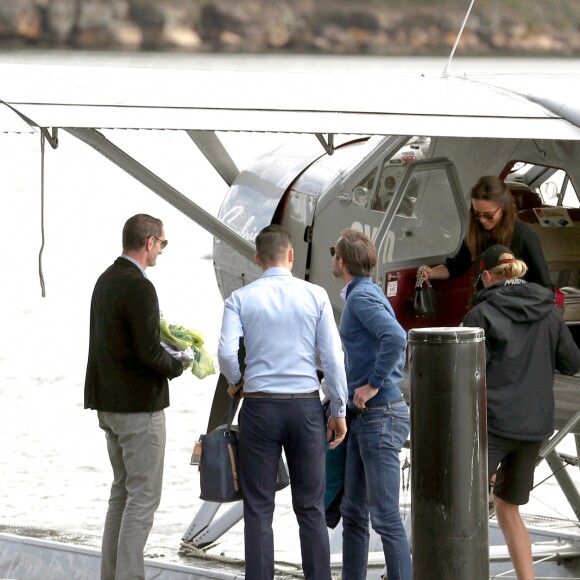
column 285, row 322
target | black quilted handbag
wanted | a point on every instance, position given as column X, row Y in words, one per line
column 424, row 299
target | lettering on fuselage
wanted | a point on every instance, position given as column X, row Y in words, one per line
column 371, row 232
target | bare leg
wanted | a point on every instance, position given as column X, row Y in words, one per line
column 516, row 537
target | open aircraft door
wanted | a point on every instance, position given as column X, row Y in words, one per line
column 415, row 212
column 424, row 223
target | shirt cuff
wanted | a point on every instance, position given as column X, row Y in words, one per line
column 337, row 409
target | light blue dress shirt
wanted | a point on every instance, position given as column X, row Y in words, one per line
column 285, row 322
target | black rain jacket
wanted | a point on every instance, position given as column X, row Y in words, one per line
column 526, row 341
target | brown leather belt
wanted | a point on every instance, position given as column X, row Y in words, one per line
column 263, row 395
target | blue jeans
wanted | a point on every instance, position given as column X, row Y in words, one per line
column 371, row 486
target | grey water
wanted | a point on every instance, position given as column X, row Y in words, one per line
column 54, row 466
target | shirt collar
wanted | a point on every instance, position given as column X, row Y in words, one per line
column 277, row 271
column 354, row 282
column 344, row 292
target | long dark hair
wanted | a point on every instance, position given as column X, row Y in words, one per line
column 491, row 188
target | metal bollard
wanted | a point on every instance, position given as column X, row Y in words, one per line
column 449, row 489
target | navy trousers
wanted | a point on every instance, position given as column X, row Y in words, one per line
column 297, row 426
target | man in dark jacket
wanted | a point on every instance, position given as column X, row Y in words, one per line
column 126, row 382
column 526, row 342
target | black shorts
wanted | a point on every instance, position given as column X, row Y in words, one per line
column 513, row 463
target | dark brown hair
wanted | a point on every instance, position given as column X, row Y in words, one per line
column 358, row 252
column 138, row 228
column 272, row 244
column 491, row 188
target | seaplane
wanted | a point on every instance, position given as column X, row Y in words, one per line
column 394, row 157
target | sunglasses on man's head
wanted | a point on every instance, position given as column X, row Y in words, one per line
column 333, row 251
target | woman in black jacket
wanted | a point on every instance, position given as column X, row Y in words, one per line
column 526, row 342
column 492, row 220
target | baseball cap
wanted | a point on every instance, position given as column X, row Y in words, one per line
column 489, row 259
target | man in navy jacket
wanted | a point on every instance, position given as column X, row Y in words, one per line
column 374, row 345
column 126, row 382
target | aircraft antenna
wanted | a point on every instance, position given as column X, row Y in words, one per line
column 40, row 273
column 447, row 69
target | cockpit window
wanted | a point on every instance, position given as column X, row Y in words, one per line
column 428, row 199
column 392, row 170
column 552, row 184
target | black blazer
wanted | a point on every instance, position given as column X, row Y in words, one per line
column 127, row 368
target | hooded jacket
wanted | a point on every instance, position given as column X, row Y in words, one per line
column 526, row 342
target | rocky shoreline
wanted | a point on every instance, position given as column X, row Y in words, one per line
column 293, row 26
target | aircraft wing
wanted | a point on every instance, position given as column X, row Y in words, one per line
column 201, row 100
column 12, row 122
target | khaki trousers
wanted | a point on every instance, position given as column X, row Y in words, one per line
column 136, row 446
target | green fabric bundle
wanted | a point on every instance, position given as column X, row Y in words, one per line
column 181, row 338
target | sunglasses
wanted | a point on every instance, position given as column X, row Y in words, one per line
column 162, row 243
column 333, row 251
column 486, row 215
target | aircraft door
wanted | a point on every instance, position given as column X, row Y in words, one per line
column 425, row 219
column 424, row 224
column 415, row 213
